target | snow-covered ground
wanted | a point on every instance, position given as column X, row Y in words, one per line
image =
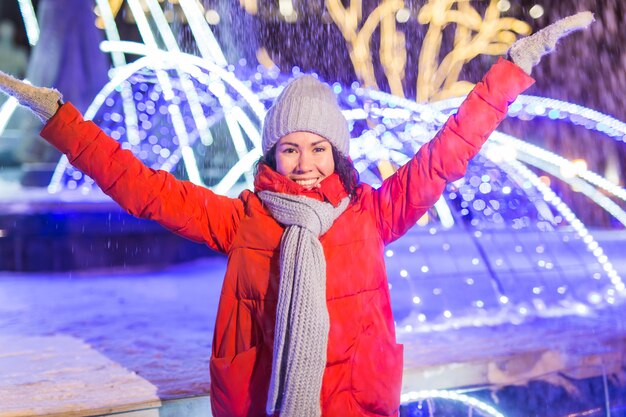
column 156, row 323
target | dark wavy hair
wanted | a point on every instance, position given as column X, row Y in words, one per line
column 344, row 167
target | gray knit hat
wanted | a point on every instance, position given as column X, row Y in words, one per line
column 306, row 105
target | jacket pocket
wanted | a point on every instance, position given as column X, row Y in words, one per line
column 231, row 379
column 377, row 374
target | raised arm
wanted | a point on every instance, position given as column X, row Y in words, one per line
column 189, row 210
column 405, row 196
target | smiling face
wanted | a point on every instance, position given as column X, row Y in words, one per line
column 304, row 157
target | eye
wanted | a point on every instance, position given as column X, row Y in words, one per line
column 288, row 150
column 320, row 149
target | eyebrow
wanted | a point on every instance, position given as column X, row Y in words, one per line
column 313, row 144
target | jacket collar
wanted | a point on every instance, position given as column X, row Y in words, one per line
column 331, row 189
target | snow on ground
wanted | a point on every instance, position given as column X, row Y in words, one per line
column 156, row 323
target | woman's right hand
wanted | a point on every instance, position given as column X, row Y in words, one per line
column 44, row 102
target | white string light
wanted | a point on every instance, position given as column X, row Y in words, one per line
column 193, row 100
column 553, row 109
column 551, row 198
column 117, row 57
column 552, row 164
column 110, row 28
column 30, row 21
column 413, row 396
column 191, row 65
column 178, row 122
column 210, row 50
column 6, row 111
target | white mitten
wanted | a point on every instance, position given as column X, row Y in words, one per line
column 44, row 102
column 527, row 51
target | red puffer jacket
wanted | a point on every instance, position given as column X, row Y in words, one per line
column 364, row 368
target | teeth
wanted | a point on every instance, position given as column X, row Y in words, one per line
column 306, row 183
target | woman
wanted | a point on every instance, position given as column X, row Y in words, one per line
column 304, row 325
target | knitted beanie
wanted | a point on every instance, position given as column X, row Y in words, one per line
column 306, row 105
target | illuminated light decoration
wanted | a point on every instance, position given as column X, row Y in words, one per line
column 403, row 15
column 292, row 18
column 200, row 29
column 210, row 49
column 503, row 5
column 536, row 11
column 473, row 36
column 164, row 80
column 113, row 6
column 286, row 9
column 244, row 164
column 587, row 175
column 376, row 149
column 578, row 226
column 110, row 28
column 6, row 111
column 612, row 168
column 30, row 21
column 237, row 138
column 163, row 27
column 379, row 148
column 393, row 51
column 248, row 127
column 567, row 213
column 112, row 85
column 118, row 60
column 414, row 396
column 555, row 109
column 264, row 58
column 250, row 6
column 197, row 67
column 579, row 115
column 444, row 213
column 554, row 164
column 590, row 119
column 127, row 47
column 192, row 97
column 545, row 180
column 568, row 171
column 212, row 17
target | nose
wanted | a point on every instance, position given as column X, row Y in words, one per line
column 304, row 162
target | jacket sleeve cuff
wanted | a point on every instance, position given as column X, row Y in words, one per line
column 68, row 131
column 57, row 130
column 516, row 81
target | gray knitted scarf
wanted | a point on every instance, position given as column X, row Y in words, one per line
column 302, row 324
